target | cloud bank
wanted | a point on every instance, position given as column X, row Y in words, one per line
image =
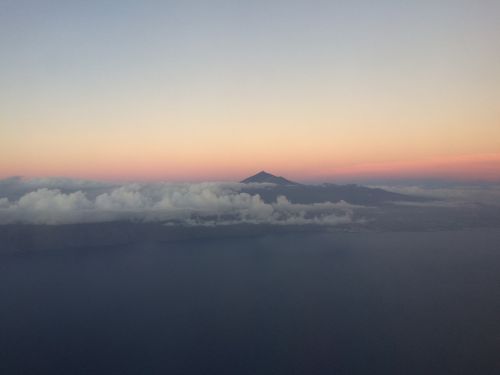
column 454, row 195
column 62, row 201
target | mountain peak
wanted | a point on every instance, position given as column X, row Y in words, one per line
column 264, row 177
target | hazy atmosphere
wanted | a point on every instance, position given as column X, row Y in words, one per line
column 249, row 187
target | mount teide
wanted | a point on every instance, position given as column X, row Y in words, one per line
column 306, row 194
column 264, row 177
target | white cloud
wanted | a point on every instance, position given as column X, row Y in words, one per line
column 46, row 206
column 53, row 200
column 126, row 197
column 189, row 204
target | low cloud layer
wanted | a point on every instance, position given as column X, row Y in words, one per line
column 65, row 201
column 454, row 195
column 61, row 201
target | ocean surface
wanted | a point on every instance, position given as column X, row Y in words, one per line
column 287, row 303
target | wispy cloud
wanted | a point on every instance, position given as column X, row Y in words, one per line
column 452, row 195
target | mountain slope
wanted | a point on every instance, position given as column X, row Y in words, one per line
column 307, row 194
column 264, row 177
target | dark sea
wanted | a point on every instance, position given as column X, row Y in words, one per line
column 287, row 303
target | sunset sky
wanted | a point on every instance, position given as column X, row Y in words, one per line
column 218, row 90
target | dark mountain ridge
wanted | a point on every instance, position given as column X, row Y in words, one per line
column 307, row 194
column 264, row 177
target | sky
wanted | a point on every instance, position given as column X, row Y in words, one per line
column 219, row 90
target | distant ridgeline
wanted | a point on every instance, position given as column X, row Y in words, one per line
column 306, row 194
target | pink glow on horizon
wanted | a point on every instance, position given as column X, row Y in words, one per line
column 478, row 167
column 482, row 167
